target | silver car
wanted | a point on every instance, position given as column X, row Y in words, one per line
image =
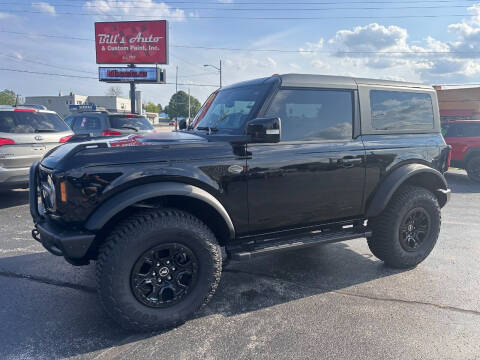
column 26, row 134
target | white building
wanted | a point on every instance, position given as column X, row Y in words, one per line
column 61, row 104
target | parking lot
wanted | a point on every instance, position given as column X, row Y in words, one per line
column 334, row 301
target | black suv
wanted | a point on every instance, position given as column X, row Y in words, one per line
column 104, row 123
column 270, row 165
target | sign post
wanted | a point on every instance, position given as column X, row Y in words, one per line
column 132, row 42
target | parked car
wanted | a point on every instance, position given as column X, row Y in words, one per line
column 272, row 164
column 172, row 122
column 464, row 137
column 26, row 135
column 104, row 123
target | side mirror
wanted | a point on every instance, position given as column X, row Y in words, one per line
column 265, row 130
column 182, row 124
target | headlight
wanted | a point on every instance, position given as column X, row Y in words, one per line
column 48, row 193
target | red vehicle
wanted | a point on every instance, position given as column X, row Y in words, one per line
column 464, row 137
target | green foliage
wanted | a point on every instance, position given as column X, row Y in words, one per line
column 151, row 107
column 178, row 105
column 7, row 97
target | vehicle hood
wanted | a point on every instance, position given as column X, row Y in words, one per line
column 136, row 148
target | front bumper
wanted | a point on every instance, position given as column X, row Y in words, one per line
column 71, row 244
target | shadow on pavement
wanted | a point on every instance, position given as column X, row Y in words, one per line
column 10, row 198
column 52, row 309
column 459, row 182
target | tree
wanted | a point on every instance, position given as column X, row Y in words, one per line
column 114, row 91
column 7, row 97
column 151, row 107
column 178, row 105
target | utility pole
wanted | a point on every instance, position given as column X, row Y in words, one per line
column 175, row 97
column 188, row 107
column 220, row 73
column 132, row 93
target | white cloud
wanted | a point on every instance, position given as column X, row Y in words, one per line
column 371, row 37
column 5, row 15
column 148, row 9
column 310, row 48
column 44, row 7
column 225, row 1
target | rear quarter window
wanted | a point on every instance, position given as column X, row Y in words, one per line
column 86, row 122
column 24, row 122
column 137, row 122
column 401, row 110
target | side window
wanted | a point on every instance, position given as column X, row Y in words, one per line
column 468, row 130
column 400, row 110
column 313, row 114
column 86, row 122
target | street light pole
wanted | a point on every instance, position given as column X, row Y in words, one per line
column 219, row 69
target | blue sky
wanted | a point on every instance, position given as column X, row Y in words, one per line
column 385, row 43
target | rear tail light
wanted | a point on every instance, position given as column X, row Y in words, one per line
column 65, row 138
column 25, row 110
column 130, row 115
column 4, row 141
column 110, row 133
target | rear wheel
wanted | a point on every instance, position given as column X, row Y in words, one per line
column 157, row 269
column 473, row 168
column 407, row 230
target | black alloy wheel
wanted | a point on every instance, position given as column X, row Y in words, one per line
column 473, row 169
column 415, row 228
column 164, row 275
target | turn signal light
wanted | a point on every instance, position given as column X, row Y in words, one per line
column 65, row 138
column 63, row 192
column 110, row 133
column 4, row 141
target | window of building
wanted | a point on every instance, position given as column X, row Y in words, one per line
column 400, row 110
column 313, row 114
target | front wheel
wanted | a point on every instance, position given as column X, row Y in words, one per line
column 157, row 269
column 473, row 169
column 407, row 230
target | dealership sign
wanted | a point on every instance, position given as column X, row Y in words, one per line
column 132, row 42
column 129, row 74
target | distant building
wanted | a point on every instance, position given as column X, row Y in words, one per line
column 61, row 104
column 458, row 104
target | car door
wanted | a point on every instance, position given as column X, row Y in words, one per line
column 316, row 173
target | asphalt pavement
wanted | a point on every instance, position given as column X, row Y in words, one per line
column 332, row 301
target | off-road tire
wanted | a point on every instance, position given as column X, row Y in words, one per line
column 473, row 168
column 133, row 237
column 385, row 240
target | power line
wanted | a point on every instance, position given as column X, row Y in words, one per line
column 91, row 6
column 256, row 17
column 236, row 3
column 291, row 51
column 45, row 64
column 92, row 78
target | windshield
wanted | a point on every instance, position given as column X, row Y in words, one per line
column 231, row 108
column 137, row 122
column 25, row 122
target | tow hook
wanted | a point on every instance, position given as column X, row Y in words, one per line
column 36, row 234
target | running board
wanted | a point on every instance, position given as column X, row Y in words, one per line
column 252, row 250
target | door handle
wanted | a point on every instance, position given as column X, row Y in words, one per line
column 349, row 162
